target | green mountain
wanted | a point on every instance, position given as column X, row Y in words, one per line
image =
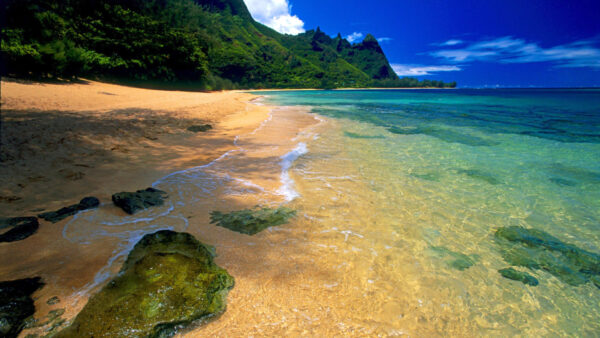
column 212, row 44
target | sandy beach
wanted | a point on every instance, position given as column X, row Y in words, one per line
column 61, row 142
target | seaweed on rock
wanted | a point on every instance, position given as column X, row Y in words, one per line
column 536, row 249
column 168, row 281
column 16, row 304
column 252, row 221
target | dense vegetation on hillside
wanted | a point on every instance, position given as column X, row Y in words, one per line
column 212, row 44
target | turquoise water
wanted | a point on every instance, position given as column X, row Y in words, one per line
column 425, row 179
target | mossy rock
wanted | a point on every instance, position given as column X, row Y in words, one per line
column 168, row 281
column 132, row 202
column 16, row 304
column 252, row 221
column 536, row 249
column 59, row 215
column 22, row 227
column 520, row 276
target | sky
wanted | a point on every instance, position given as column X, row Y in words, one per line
column 478, row 43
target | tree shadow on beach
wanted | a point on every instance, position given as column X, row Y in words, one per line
column 41, row 149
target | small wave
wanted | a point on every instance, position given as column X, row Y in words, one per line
column 287, row 184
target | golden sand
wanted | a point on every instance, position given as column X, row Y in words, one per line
column 63, row 142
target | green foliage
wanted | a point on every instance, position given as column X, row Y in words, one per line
column 210, row 44
column 250, row 221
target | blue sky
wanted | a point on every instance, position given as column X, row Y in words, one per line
column 543, row 43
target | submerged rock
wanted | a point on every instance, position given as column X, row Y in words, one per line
column 536, row 249
column 22, row 227
column 435, row 177
column 361, row 136
column 455, row 260
column 16, row 304
column 200, row 128
column 59, row 215
column 479, row 175
column 250, row 221
column 520, row 276
column 168, row 281
column 132, row 202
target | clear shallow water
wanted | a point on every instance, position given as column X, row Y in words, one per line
column 410, row 182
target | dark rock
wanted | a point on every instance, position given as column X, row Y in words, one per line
column 520, row 276
column 251, row 222
column 132, row 202
column 168, row 281
column 536, row 249
column 16, row 304
column 52, row 301
column 59, row 215
column 200, row 128
column 22, row 227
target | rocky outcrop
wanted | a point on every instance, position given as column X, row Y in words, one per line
column 250, row 221
column 59, row 215
column 22, row 227
column 132, row 202
column 16, row 304
column 168, row 281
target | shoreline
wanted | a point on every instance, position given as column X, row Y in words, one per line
column 77, row 255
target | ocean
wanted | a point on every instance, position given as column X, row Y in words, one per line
column 408, row 193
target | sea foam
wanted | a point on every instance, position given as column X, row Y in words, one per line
column 287, row 184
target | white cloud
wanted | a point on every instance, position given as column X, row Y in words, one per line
column 507, row 49
column 384, row 39
column 276, row 14
column 452, row 42
column 354, row 37
column 420, row 70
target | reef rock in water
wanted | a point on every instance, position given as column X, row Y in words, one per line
column 16, row 304
column 520, row 276
column 22, row 227
column 168, row 281
column 59, row 215
column 536, row 249
column 251, row 222
column 132, row 202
